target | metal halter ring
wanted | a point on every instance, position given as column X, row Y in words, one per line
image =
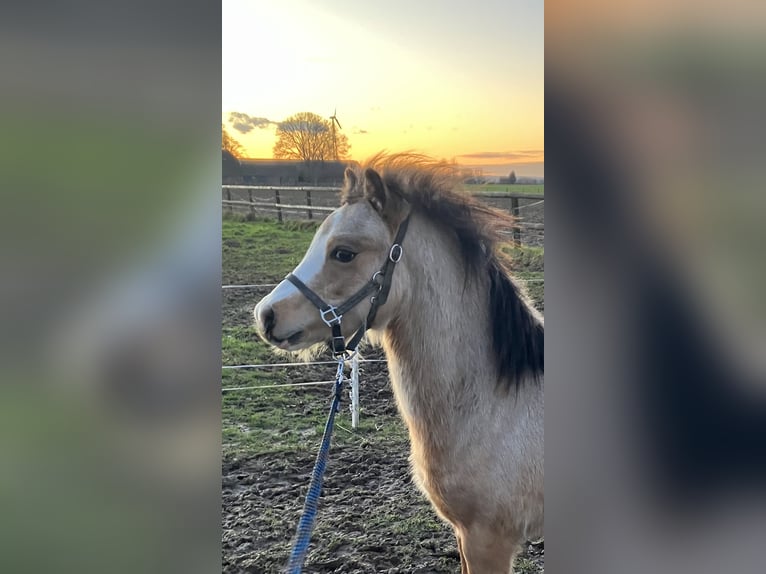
column 335, row 318
column 380, row 285
column 396, row 253
column 373, row 299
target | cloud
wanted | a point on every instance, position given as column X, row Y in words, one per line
column 521, row 155
column 245, row 123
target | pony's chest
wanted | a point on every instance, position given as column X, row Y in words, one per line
column 422, row 402
column 447, row 490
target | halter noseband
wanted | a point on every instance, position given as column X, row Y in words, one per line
column 379, row 285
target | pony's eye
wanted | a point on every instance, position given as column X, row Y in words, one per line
column 343, row 255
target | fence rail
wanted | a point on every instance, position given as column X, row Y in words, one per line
column 281, row 188
column 495, row 195
column 278, row 206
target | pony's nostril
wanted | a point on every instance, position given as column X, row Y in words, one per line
column 267, row 319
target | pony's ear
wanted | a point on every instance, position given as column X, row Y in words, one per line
column 349, row 178
column 374, row 189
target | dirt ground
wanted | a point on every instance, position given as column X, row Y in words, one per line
column 371, row 517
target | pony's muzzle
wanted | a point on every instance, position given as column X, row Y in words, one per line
column 266, row 322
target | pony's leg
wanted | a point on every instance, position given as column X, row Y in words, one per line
column 486, row 552
column 463, row 565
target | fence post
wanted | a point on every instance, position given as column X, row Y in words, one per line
column 250, row 197
column 308, row 202
column 278, row 202
column 228, row 198
column 355, row 391
column 516, row 228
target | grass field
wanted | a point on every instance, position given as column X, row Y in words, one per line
column 371, row 518
column 505, row 188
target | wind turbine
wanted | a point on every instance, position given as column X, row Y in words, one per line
column 333, row 121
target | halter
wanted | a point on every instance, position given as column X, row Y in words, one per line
column 379, row 285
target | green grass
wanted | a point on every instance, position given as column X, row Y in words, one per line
column 259, row 421
column 528, row 263
column 537, row 189
column 262, row 251
column 284, row 419
column 281, row 420
column 525, row 566
column 525, row 260
column 423, row 519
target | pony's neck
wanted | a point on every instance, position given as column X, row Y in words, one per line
column 438, row 341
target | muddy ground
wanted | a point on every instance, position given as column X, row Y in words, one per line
column 371, row 518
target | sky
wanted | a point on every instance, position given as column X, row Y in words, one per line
column 458, row 80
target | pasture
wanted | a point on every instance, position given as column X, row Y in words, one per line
column 534, row 189
column 371, row 517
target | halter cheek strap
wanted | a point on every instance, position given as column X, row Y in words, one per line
column 379, row 285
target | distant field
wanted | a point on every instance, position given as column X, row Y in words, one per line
column 537, row 189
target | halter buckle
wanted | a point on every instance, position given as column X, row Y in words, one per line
column 396, row 252
column 334, row 317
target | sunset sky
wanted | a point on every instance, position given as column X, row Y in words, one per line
column 460, row 80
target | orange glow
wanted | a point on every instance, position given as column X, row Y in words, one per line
column 389, row 93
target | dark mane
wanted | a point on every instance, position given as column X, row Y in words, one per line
column 518, row 337
column 433, row 189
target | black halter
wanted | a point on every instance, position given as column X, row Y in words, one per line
column 379, row 286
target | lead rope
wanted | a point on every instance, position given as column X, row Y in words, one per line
column 308, row 518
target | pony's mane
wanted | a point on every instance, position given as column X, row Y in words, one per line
column 432, row 188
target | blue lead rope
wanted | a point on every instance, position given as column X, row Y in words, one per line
column 308, row 518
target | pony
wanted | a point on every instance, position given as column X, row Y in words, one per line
column 464, row 346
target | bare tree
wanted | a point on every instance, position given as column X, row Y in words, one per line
column 512, row 178
column 231, row 145
column 308, row 137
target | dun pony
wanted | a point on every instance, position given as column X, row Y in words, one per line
column 465, row 348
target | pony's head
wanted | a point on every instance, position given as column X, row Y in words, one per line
column 350, row 247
